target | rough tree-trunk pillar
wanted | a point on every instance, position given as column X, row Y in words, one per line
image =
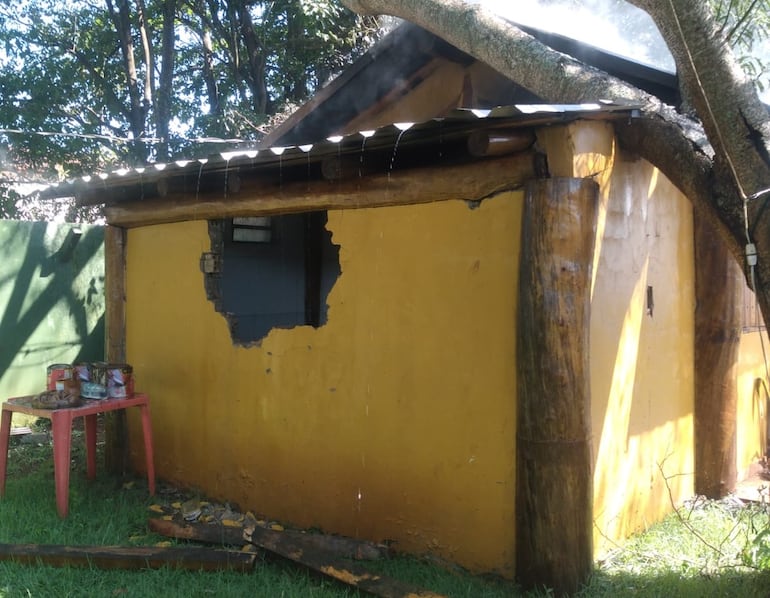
column 554, row 482
column 718, row 321
column 116, row 445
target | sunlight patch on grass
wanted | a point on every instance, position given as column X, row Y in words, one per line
column 699, row 554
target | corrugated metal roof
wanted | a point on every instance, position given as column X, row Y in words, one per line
column 134, row 183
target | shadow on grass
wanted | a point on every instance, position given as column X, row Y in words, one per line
column 110, row 511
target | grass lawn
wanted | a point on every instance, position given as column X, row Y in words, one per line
column 701, row 557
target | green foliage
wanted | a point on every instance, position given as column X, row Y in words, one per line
column 745, row 24
column 757, row 553
column 699, row 551
column 668, row 559
column 296, row 44
column 113, row 512
column 756, row 549
column 66, row 84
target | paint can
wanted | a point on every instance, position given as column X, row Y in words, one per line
column 120, row 380
column 82, row 372
column 92, row 390
column 58, row 375
column 99, row 373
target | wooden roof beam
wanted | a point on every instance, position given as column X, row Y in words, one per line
column 471, row 181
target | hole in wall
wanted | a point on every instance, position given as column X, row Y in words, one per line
column 264, row 273
column 650, row 302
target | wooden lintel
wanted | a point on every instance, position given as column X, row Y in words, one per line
column 471, row 181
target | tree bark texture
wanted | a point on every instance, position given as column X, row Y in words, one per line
column 138, row 111
column 554, row 482
column 116, row 444
column 718, row 321
column 165, row 92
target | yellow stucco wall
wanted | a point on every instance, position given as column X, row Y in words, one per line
column 642, row 359
column 751, row 437
column 395, row 420
column 641, row 362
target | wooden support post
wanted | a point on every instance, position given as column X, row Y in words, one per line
column 116, row 444
column 554, row 482
column 718, row 323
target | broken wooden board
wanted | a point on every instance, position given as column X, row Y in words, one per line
column 218, row 533
column 128, row 557
column 317, row 559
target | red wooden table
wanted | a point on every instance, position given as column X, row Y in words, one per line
column 61, row 426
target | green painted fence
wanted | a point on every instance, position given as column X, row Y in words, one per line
column 51, row 300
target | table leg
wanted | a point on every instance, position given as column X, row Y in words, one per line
column 148, row 451
column 91, row 445
column 61, row 424
column 5, row 434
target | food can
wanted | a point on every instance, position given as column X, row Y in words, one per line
column 120, row 380
column 57, row 374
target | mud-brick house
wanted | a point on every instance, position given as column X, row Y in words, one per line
column 430, row 333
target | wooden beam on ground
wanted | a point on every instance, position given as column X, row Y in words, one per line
column 125, row 557
column 471, row 181
column 210, row 533
column 554, row 489
column 719, row 287
column 303, row 553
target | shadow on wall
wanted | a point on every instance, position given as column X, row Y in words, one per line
column 51, row 300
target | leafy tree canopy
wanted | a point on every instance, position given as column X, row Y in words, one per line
column 86, row 84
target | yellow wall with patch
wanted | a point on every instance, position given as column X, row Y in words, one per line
column 395, row 420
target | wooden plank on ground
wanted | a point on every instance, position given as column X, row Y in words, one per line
column 211, row 533
column 128, row 557
column 297, row 551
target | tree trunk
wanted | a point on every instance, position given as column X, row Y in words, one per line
column 718, row 315
column 149, row 54
column 255, row 57
column 165, row 81
column 212, row 88
column 554, row 487
column 122, row 20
